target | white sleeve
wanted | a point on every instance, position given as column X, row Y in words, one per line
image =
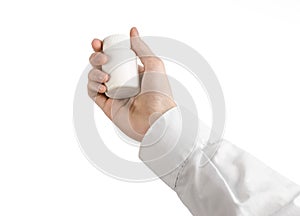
column 215, row 180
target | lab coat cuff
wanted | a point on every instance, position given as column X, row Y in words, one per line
column 168, row 143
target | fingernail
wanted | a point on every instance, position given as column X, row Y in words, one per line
column 102, row 78
column 106, row 78
column 102, row 89
column 137, row 32
column 134, row 32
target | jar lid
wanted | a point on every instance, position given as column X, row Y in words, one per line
column 116, row 41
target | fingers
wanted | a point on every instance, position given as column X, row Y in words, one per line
column 149, row 60
column 100, row 99
column 96, row 87
column 97, row 59
column 97, row 45
column 151, row 82
column 98, row 76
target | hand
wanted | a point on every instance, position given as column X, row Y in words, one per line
column 133, row 116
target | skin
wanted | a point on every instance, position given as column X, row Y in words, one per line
column 133, row 116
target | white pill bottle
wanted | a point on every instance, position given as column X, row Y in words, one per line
column 121, row 66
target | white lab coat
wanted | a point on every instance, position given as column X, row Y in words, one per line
column 216, row 180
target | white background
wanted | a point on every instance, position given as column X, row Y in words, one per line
column 253, row 46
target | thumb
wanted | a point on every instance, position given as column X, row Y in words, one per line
column 147, row 57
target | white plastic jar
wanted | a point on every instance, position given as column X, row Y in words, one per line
column 121, row 66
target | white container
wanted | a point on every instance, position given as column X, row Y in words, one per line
column 121, row 66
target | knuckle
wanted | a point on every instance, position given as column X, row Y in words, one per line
column 89, row 86
column 155, row 62
column 92, row 95
column 92, row 57
column 90, row 75
column 155, row 59
column 89, row 93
